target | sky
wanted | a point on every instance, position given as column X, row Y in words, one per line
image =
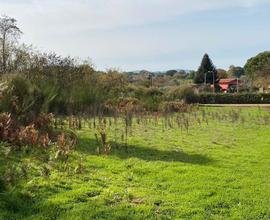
column 155, row 35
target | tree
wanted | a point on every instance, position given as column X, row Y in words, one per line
column 171, row 72
column 9, row 32
column 192, row 74
column 258, row 70
column 236, row 71
column 258, row 65
column 207, row 71
column 222, row 74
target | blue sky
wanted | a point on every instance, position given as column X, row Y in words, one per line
column 146, row 34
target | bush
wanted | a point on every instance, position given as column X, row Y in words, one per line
column 175, row 106
column 236, row 98
column 123, row 105
column 150, row 98
column 25, row 99
column 37, row 133
column 185, row 93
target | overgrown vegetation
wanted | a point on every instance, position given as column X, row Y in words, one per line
column 164, row 173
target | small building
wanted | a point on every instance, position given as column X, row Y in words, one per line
column 229, row 84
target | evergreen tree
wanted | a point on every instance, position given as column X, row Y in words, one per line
column 206, row 69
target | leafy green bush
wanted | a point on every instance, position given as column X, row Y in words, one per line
column 150, row 98
column 25, row 99
column 185, row 93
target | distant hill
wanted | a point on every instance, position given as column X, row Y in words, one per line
column 143, row 72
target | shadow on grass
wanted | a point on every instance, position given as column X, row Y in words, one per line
column 88, row 146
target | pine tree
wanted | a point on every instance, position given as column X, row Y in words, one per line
column 206, row 69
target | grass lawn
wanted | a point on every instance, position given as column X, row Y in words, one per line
column 217, row 169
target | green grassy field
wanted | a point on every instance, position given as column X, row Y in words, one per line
column 218, row 168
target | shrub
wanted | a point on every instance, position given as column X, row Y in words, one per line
column 131, row 105
column 175, row 106
column 25, row 100
column 150, row 98
column 185, row 93
column 35, row 133
column 65, row 145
